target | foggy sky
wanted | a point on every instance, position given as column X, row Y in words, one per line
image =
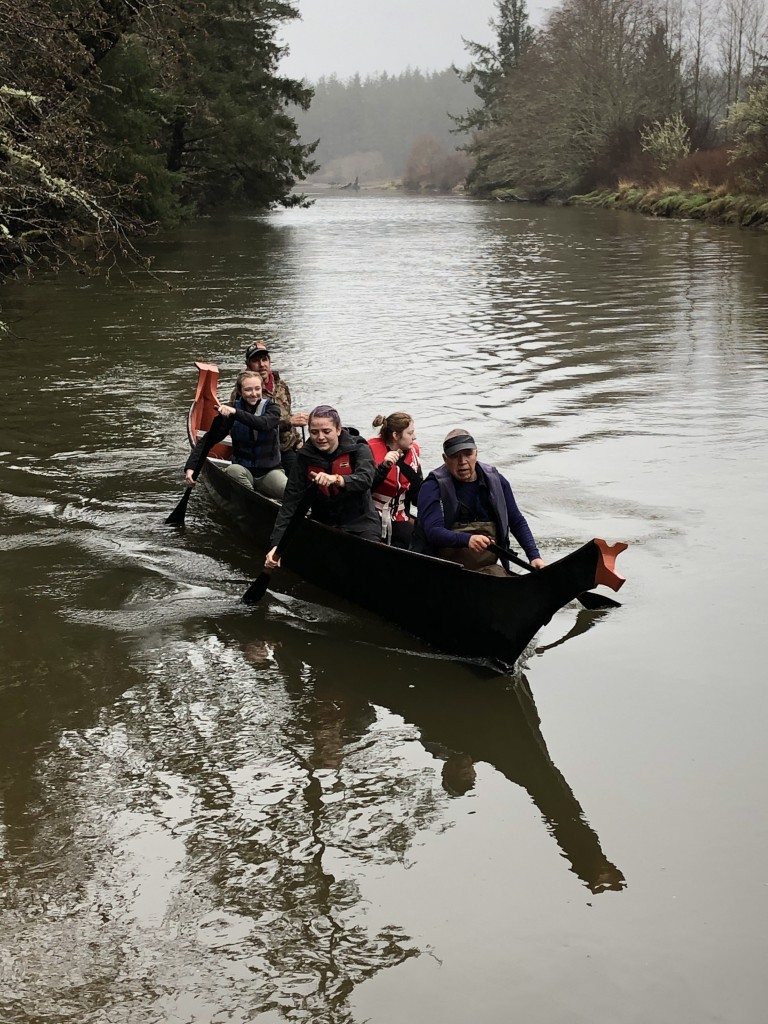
column 371, row 36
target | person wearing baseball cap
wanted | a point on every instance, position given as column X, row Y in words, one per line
column 258, row 358
column 465, row 505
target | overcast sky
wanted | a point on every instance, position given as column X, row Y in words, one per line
column 370, row 36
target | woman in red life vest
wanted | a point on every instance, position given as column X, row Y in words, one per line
column 398, row 475
column 341, row 466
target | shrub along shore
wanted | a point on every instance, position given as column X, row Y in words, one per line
column 715, row 204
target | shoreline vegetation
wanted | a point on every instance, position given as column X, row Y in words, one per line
column 627, row 105
column 716, row 204
column 709, row 203
column 619, row 104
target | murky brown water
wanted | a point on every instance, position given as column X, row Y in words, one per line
column 210, row 813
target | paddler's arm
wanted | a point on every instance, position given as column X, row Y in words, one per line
column 217, row 431
column 520, row 529
column 268, row 420
column 283, row 399
column 294, row 491
column 415, row 479
column 383, row 468
column 433, row 521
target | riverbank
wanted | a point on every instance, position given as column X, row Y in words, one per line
column 705, row 203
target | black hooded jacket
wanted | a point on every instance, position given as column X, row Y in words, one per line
column 349, row 507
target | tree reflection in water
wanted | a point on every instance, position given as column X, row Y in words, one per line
column 198, row 846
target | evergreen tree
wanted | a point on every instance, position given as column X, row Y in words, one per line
column 230, row 135
column 133, row 110
column 491, row 64
column 118, row 113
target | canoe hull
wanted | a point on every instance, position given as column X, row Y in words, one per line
column 465, row 613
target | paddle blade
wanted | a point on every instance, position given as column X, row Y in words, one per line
column 257, row 589
column 176, row 518
column 592, row 600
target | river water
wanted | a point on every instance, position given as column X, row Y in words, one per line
column 212, row 813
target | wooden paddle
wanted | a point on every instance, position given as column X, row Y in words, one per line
column 588, row 598
column 176, row 518
column 258, row 588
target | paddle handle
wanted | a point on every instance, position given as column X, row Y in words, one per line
column 296, row 520
column 497, row 549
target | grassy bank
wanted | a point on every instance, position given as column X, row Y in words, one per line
column 703, row 203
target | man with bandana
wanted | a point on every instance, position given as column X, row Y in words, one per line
column 465, row 505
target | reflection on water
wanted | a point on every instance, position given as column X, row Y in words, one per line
column 177, row 861
column 208, row 813
column 201, row 841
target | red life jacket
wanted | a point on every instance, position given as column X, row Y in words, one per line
column 391, row 491
column 341, row 465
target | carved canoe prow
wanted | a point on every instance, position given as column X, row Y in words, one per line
column 605, row 571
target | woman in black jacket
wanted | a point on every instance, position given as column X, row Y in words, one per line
column 340, row 465
column 252, row 422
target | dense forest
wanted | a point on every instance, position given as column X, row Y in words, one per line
column 378, row 128
column 621, row 89
column 117, row 115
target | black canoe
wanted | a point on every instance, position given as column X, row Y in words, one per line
column 469, row 614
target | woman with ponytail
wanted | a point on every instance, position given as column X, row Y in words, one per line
column 398, row 475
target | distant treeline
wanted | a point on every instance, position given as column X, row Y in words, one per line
column 372, row 128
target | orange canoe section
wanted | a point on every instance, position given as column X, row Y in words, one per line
column 204, row 409
column 605, row 572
